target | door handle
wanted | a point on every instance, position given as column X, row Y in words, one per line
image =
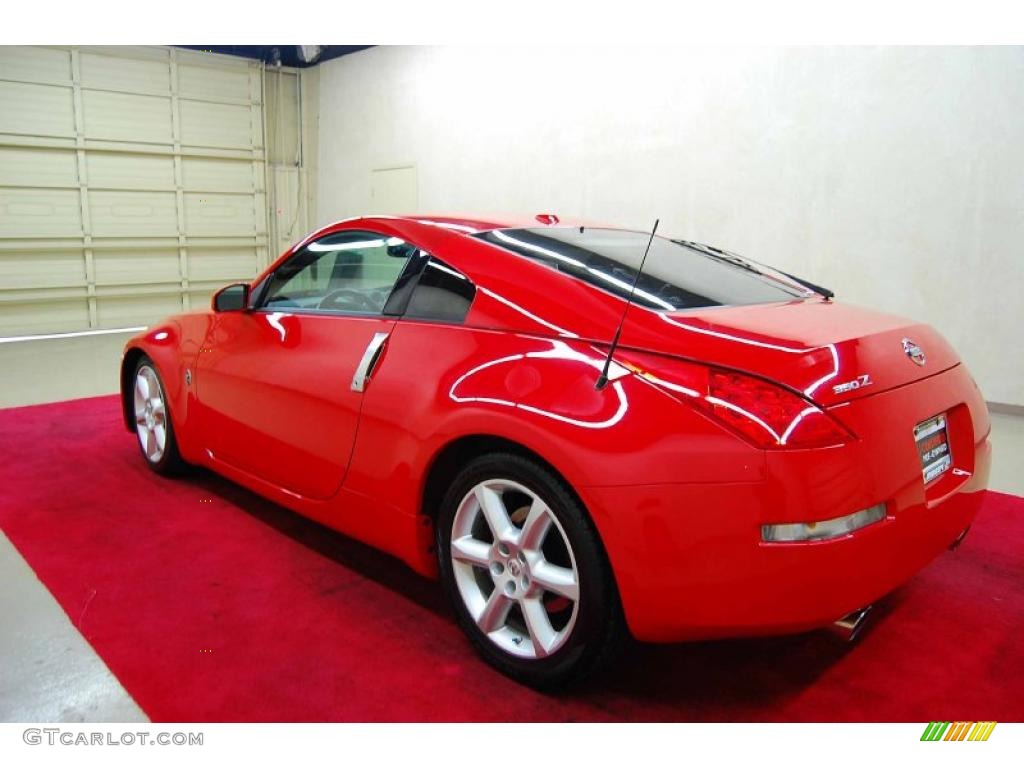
column 369, row 361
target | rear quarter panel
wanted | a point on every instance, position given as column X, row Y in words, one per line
column 438, row 383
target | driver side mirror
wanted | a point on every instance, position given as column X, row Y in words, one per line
column 233, row 298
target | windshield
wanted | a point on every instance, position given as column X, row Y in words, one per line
column 676, row 275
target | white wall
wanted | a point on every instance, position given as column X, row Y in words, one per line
column 893, row 175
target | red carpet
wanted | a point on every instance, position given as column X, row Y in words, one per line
column 210, row 604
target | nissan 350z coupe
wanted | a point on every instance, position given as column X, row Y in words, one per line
column 760, row 460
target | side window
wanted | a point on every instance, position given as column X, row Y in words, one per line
column 442, row 293
column 345, row 272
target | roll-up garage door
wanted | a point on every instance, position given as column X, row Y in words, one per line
column 132, row 184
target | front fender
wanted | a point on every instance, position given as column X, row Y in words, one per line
column 173, row 345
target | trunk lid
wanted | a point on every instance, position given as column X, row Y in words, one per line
column 832, row 352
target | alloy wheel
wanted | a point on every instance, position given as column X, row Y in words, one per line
column 150, row 414
column 515, row 569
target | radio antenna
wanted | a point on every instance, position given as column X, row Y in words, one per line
column 602, row 380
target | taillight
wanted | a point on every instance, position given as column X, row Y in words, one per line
column 769, row 415
column 766, row 414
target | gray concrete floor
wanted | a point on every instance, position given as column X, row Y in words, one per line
column 1007, row 454
column 47, row 370
column 48, row 672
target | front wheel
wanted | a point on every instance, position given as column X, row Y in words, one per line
column 153, row 420
column 526, row 573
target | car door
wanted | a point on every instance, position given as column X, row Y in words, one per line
column 280, row 384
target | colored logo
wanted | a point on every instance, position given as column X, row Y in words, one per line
column 945, row 731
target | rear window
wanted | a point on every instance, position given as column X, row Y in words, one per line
column 676, row 275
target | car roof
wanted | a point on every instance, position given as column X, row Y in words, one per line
column 471, row 224
column 443, row 233
column 453, row 223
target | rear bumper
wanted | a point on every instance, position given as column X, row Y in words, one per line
column 689, row 560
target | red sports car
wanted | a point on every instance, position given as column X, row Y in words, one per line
column 759, row 459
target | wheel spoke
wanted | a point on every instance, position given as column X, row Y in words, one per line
column 473, row 551
column 161, row 436
column 495, row 513
column 555, row 578
column 542, row 634
column 142, row 386
column 150, row 443
column 494, row 612
column 536, row 526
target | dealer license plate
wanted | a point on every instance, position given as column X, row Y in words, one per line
column 933, row 447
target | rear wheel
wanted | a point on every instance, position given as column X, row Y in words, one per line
column 153, row 420
column 526, row 573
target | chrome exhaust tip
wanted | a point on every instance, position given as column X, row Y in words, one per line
column 852, row 624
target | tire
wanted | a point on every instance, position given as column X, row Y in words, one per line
column 549, row 565
column 153, row 426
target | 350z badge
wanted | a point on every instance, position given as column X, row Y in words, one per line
column 849, row 386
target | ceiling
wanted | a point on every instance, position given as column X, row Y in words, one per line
column 289, row 55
